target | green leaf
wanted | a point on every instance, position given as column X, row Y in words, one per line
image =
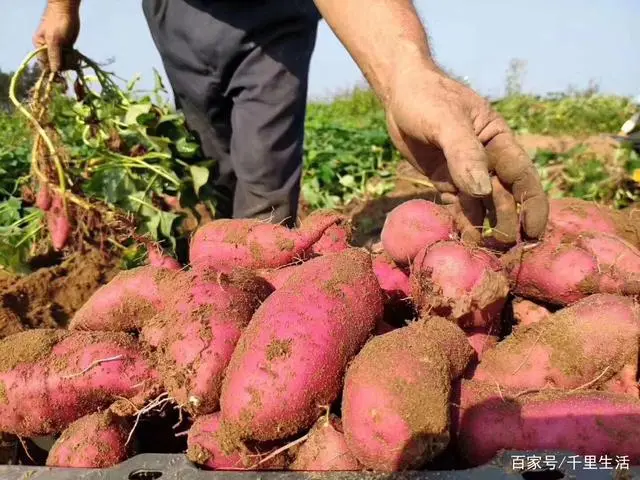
column 166, row 226
column 347, row 181
column 186, row 148
column 134, row 111
column 200, row 177
column 111, row 184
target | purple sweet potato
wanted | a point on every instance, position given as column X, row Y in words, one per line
column 562, row 273
column 460, row 282
column 127, row 301
column 573, row 217
column 201, row 330
column 50, row 378
column 227, row 244
column 582, row 422
column 325, row 449
column 414, row 225
column 586, row 344
column 395, row 403
column 291, row 358
column 95, row 441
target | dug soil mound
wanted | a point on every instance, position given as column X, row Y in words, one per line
column 48, row 297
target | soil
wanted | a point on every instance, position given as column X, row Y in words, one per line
column 50, row 296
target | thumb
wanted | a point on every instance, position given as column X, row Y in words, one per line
column 466, row 158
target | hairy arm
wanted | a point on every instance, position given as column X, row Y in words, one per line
column 384, row 37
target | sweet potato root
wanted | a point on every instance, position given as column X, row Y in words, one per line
column 50, row 378
column 395, row 404
column 127, row 301
column 201, row 330
column 414, row 225
column 95, row 441
column 291, row 358
column 580, row 346
column 584, row 423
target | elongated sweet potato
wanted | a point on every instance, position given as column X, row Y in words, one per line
column 291, row 358
column 127, row 301
column 95, row 441
column 395, row 403
column 58, row 223
column 228, row 244
column 414, row 225
column 201, row 330
column 209, row 448
column 561, row 273
column 464, row 284
column 50, row 378
column 325, row 449
column 574, row 216
column 584, row 423
column 587, row 343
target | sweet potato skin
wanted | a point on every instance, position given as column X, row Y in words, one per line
column 567, row 349
column 398, row 418
column 414, row 225
column 526, row 312
column 201, row 330
column 50, row 378
column 95, row 441
column 291, row 358
column 325, row 449
column 127, row 301
column 227, row 244
column 584, row 423
column 335, row 239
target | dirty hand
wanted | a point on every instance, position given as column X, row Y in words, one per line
column 454, row 137
column 58, row 30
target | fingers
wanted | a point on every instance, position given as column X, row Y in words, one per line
column 466, row 158
column 468, row 213
column 54, row 55
column 502, row 213
column 516, row 171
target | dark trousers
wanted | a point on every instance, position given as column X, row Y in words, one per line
column 239, row 72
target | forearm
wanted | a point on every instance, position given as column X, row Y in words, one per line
column 384, row 37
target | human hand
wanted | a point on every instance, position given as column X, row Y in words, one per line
column 58, row 30
column 454, row 137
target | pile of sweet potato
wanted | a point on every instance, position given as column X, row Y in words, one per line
column 292, row 350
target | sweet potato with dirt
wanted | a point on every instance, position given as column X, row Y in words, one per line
column 226, row 244
column 201, row 329
column 396, row 287
column 460, row 282
column 325, row 449
column 50, row 378
column 161, row 260
column 395, row 403
column 290, row 360
column 561, row 273
column 98, row 440
column 335, row 239
column 526, row 312
column 276, row 277
column 584, row 345
column 208, row 447
column 58, row 223
column 574, row 216
column 127, row 301
column 582, row 422
column 414, row 225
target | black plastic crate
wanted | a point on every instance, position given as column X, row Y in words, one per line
column 177, row 467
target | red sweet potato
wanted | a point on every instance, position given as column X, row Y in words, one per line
column 44, row 198
column 461, row 283
column 587, row 343
column 50, row 378
column 562, row 273
column 396, row 287
column 58, row 223
column 127, row 301
column 573, row 217
column 395, row 403
column 228, row 244
column 276, row 277
column 160, row 260
column 201, row 330
column 95, row 441
column 414, row 225
column 291, row 358
column 325, row 449
column 526, row 312
column 335, row 239
column 583, row 422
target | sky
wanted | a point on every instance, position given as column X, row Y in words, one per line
column 563, row 42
